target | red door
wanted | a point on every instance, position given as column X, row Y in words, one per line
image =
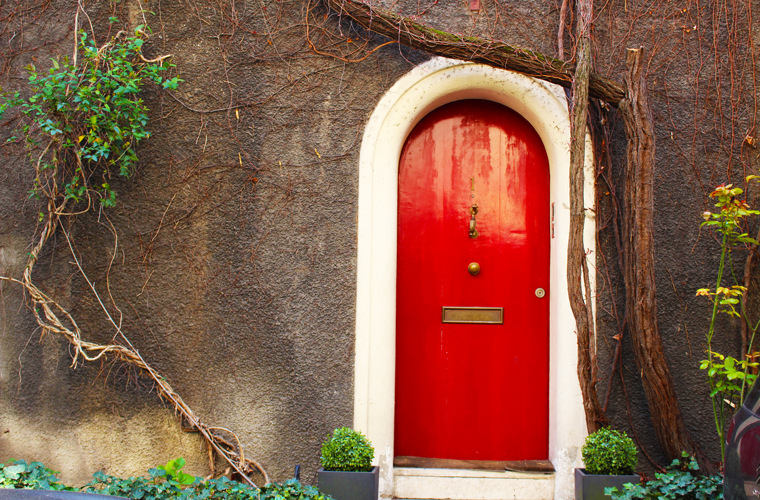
column 473, row 391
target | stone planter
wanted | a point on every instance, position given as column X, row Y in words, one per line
column 343, row 485
column 591, row 486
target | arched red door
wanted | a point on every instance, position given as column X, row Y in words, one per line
column 472, row 380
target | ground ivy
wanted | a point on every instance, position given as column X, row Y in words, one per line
column 29, row 476
column 681, row 481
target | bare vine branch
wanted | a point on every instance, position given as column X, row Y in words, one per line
column 639, row 271
column 578, row 283
column 490, row 52
column 54, row 318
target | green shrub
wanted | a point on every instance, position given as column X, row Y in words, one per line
column 347, row 450
column 34, row 476
column 609, row 452
column 677, row 483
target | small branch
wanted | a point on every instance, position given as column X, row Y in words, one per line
column 313, row 47
column 561, row 30
column 157, row 59
column 76, row 38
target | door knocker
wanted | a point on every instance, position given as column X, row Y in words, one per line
column 473, row 212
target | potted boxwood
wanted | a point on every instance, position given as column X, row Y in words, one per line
column 347, row 472
column 610, row 458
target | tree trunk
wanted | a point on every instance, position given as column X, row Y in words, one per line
column 577, row 265
column 639, row 273
column 490, row 52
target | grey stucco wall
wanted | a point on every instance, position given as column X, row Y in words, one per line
column 236, row 265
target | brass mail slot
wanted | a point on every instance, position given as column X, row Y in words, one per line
column 478, row 315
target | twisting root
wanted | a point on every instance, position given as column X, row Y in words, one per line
column 52, row 317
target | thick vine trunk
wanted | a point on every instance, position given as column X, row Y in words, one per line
column 577, row 265
column 639, row 270
column 490, row 52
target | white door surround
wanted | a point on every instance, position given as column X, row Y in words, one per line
column 426, row 87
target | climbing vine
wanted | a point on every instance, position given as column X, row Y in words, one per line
column 84, row 119
column 81, row 125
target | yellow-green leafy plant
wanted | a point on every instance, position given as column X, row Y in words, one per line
column 727, row 377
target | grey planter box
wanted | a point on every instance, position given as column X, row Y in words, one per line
column 343, row 485
column 591, row 486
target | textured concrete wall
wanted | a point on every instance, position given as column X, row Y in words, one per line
column 235, row 267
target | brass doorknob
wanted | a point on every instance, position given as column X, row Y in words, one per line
column 474, row 268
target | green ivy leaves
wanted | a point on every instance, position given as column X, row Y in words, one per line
column 169, row 482
column 173, row 470
column 165, row 482
column 33, row 476
column 680, row 481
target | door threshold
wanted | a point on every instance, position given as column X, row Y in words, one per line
column 521, row 466
column 420, row 483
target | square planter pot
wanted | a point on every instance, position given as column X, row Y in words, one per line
column 591, row 486
column 343, row 485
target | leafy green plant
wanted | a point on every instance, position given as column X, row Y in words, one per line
column 221, row 488
column 30, row 476
column 291, row 489
column 169, row 481
column 173, row 470
column 84, row 117
column 347, row 450
column 680, row 481
column 163, row 482
column 609, row 452
column 727, row 376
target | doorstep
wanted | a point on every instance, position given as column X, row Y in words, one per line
column 467, row 484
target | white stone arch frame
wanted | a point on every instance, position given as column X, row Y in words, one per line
column 426, row 87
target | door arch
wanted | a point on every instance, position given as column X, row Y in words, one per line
column 427, row 87
column 473, row 187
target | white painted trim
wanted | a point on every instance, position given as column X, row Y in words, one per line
column 426, row 87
